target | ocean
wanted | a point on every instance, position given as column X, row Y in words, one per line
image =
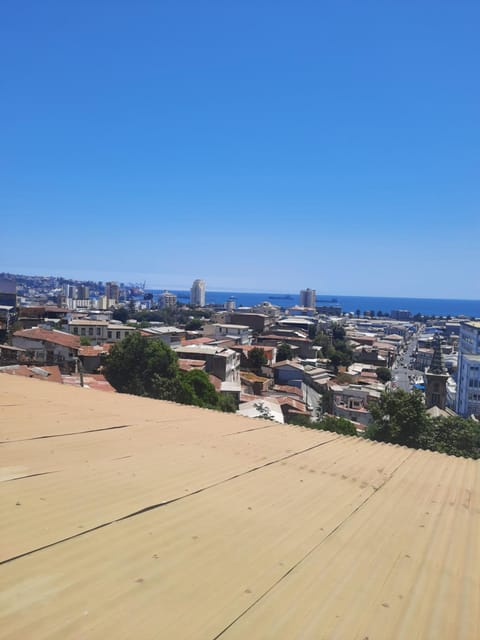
column 426, row 306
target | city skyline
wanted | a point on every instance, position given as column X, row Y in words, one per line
column 277, row 144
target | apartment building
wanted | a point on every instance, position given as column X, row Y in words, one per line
column 468, row 371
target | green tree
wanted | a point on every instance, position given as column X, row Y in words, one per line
column 85, row 341
column 453, row 435
column 384, row 374
column 300, row 420
column 399, row 418
column 204, row 391
column 326, row 403
column 338, row 332
column 131, row 365
column 256, row 360
column 194, row 324
column 284, row 352
column 146, row 367
column 338, row 425
column 327, row 423
column 227, row 403
column 120, row 314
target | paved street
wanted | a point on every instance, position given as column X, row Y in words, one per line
column 402, row 376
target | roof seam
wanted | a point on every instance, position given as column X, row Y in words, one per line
column 314, row 548
column 73, row 433
column 164, row 503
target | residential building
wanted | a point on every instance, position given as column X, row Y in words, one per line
column 83, row 292
column 99, row 331
column 268, row 309
column 289, row 373
column 308, row 298
column 94, row 330
column 401, row 314
column 352, row 402
column 219, row 361
column 167, row 300
column 301, row 345
column 245, row 349
column 258, row 322
column 239, row 333
column 117, row 332
column 8, row 291
column 197, row 293
column 468, row 371
column 171, row 336
column 47, row 346
column 423, row 358
column 8, row 315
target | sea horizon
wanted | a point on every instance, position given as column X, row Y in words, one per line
column 349, row 304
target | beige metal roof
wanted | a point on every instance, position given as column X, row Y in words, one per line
column 126, row 517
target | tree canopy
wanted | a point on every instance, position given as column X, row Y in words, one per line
column 399, row 417
column 383, row 374
column 257, row 359
column 131, row 364
column 147, row 367
column 284, row 352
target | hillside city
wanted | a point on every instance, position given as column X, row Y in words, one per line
column 305, row 364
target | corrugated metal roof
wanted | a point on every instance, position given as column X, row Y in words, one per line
column 133, row 518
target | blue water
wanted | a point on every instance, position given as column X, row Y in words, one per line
column 427, row 306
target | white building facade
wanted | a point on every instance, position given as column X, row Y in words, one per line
column 468, row 371
column 197, row 293
column 167, row 300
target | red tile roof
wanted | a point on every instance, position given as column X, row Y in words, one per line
column 91, row 351
column 203, row 340
column 53, row 336
column 93, row 381
column 286, row 388
column 187, row 364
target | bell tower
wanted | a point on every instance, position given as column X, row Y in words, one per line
column 436, row 379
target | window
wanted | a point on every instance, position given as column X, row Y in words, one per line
column 118, row 335
column 75, row 330
column 90, row 331
column 110, row 334
column 82, row 331
column 99, row 331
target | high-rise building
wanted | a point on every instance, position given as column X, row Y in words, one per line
column 197, row 293
column 68, row 291
column 111, row 291
column 167, row 300
column 308, row 298
column 468, row 370
column 83, row 292
column 8, row 291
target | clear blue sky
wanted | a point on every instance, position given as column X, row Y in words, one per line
column 258, row 145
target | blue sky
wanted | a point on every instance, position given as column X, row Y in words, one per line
column 258, row 145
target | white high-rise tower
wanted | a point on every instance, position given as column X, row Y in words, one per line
column 197, row 293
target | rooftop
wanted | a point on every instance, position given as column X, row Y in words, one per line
column 126, row 517
column 50, row 335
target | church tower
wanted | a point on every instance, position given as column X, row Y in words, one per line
column 436, row 379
